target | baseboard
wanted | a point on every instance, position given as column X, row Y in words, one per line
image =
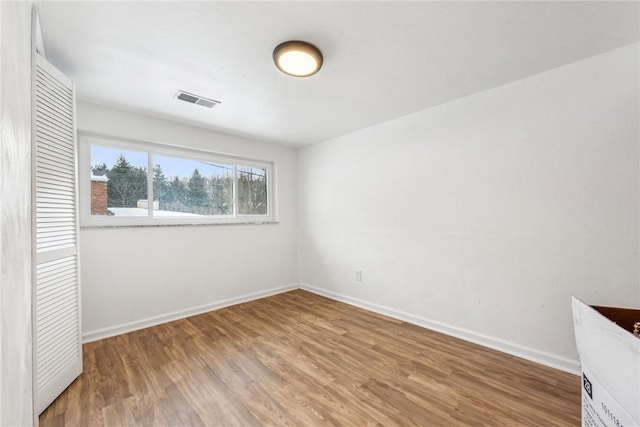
column 157, row 320
column 567, row 365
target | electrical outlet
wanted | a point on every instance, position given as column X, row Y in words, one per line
column 358, row 275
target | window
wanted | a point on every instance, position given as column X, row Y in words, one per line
column 135, row 183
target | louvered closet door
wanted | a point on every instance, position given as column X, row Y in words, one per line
column 58, row 348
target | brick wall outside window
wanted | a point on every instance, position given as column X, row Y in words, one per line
column 99, row 196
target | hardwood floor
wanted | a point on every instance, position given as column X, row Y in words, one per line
column 299, row 359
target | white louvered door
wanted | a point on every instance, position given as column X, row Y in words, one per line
column 58, row 347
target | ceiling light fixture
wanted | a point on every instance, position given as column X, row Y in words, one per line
column 297, row 58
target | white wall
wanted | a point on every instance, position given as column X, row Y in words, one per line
column 133, row 277
column 482, row 216
column 16, row 394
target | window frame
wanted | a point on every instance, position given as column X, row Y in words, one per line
column 87, row 139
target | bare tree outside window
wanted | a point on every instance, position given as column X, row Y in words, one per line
column 252, row 190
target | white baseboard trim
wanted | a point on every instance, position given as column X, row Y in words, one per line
column 564, row 364
column 124, row 328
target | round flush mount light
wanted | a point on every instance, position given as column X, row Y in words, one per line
column 297, row 58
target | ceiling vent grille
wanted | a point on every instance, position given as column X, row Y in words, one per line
column 195, row 99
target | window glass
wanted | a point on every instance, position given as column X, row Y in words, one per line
column 186, row 187
column 134, row 183
column 252, row 190
column 118, row 182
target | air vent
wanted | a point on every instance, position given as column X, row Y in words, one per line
column 195, row 99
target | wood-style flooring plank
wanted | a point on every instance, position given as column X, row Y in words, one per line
column 298, row 359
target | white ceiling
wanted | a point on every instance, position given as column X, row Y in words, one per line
column 382, row 59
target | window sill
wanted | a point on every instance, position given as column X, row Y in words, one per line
column 202, row 224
